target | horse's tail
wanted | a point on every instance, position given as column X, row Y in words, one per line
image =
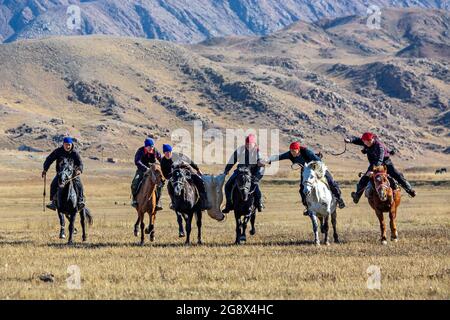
column 88, row 216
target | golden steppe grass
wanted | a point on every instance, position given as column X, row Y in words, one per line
column 279, row 262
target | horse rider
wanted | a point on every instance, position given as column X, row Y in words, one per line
column 145, row 156
column 377, row 154
column 246, row 156
column 67, row 150
column 302, row 155
column 167, row 162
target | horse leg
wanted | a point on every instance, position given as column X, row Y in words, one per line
column 315, row 225
column 71, row 227
column 393, row 224
column 334, row 223
column 62, row 223
column 252, row 222
column 189, row 228
column 382, row 227
column 244, row 229
column 142, row 225
column 136, row 227
column 152, row 225
column 326, row 227
column 199, row 226
column 180, row 225
column 238, row 229
column 83, row 224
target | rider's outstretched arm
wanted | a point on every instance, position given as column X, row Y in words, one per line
column 50, row 159
column 231, row 162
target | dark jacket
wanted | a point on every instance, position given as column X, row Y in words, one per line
column 143, row 160
column 306, row 156
column 245, row 158
column 59, row 154
column 377, row 154
column 166, row 164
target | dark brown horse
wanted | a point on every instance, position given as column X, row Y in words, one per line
column 382, row 198
column 146, row 199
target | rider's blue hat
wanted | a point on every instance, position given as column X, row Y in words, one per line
column 149, row 142
column 68, row 140
column 167, row 148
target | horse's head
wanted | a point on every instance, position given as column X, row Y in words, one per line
column 155, row 174
column 180, row 176
column 65, row 173
column 312, row 172
column 244, row 182
column 381, row 182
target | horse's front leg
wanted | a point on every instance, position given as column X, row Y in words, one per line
column 180, row 225
column 334, row 223
column 199, row 226
column 71, row 227
column 244, row 228
column 62, row 223
column 151, row 227
column 189, row 228
column 382, row 227
column 393, row 224
column 83, row 224
column 238, row 228
column 325, row 229
column 136, row 227
column 315, row 226
column 252, row 222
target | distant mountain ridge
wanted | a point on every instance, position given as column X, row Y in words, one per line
column 183, row 21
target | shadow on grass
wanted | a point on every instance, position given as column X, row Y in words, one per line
column 15, row 242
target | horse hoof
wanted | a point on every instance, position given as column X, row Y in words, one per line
column 394, row 239
column 70, row 243
column 243, row 239
column 317, row 243
column 141, row 244
column 336, row 239
column 62, row 235
column 253, row 232
column 136, row 233
column 152, row 237
column 181, row 234
column 384, row 242
column 84, row 238
column 187, row 244
column 147, row 230
column 327, row 243
column 200, row 242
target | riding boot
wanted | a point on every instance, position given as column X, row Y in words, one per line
column 52, row 205
column 228, row 204
column 360, row 187
column 357, row 195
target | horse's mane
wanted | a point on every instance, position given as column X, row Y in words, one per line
column 181, row 165
column 318, row 167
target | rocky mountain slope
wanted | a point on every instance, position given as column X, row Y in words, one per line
column 315, row 82
column 185, row 21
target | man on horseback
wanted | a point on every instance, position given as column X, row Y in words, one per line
column 167, row 162
column 67, row 150
column 302, row 155
column 247, row 156
column 145, row 156
column 377, row 154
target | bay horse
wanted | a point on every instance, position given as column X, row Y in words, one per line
column 382, row 198
column 185, row 198
column 320, row 200
column 146, row 199
column 67, row 202
column 243, row 203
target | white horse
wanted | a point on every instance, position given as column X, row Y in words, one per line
column 320, row 200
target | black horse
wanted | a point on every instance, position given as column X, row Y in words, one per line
column 67, row 204
column 243, row 203
column 185, row 199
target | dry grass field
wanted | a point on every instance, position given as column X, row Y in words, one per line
column 279, row 262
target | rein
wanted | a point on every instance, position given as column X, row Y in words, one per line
column 341, row 153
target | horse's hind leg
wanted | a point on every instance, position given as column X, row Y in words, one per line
column 392, row 218
column 142, row 225
column 151, row 228
column 83, row 223
column 199, row 226
column 62, row 223
column 315, row 225
column 334, row 223
column 252, row 222
column 382, row 227
column 180, row 225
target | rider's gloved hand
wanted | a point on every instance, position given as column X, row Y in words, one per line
column 78, row 172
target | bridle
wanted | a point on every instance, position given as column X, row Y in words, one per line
column 379, row 186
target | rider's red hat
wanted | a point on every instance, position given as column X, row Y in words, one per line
column 294, row 146
column 367, row 136
column 251, row 138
